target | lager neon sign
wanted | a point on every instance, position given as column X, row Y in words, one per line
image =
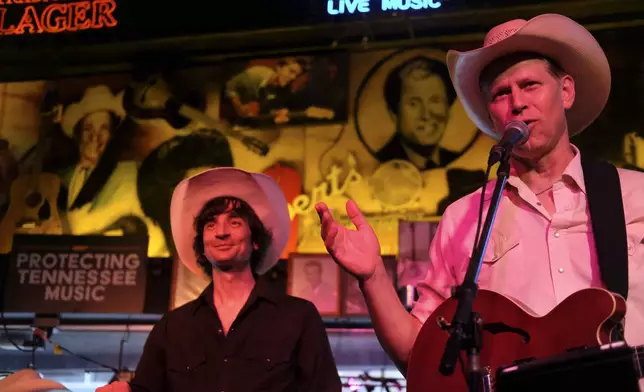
column 19, row 17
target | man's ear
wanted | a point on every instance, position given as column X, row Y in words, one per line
column 567, row 91
column 255, row 246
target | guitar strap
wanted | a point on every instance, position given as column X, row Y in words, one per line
column 606, row 208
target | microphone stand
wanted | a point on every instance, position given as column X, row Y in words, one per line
column 466, row 329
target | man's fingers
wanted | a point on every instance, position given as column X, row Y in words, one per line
column 323, row 211
column 356, row 216
column 329, row 238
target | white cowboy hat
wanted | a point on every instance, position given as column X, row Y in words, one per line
column 261, row 193
column 27, row 380
column 96, row 98
column 555, row 36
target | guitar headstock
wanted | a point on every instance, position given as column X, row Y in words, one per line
column 149, row 97
column 51, row 107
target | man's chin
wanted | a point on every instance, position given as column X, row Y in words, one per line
column 228, row 265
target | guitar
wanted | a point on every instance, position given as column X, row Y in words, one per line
column 275, row 117
column 512, row 335
column 33, row 195
column 150, row 98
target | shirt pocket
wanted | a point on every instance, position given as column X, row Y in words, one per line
column 187, row 370
column 269, row 368
column 496, row 252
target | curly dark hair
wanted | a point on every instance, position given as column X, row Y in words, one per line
column 260, row 236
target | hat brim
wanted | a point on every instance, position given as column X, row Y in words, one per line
column 555, row 36
column 100, row 99
column 261, row 193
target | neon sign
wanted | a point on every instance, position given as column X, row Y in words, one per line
column 19, row 17
column 339, row 7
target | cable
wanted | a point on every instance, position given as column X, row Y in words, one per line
column 41, row 334
column 2, row 318
column 124, row 339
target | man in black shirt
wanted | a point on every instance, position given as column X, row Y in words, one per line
column 240, row 334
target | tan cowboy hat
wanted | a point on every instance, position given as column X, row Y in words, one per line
column 27, row 380
column 555, row 36
column 96, row 98
column 261, row 193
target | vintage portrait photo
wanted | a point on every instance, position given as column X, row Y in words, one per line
column 286, row 90
column 315, row 277
column 414, row 240
column 353, row 303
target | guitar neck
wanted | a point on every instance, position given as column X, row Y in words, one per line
column 42, row 143
column 256, row 145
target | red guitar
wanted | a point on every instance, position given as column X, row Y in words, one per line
column 586, row 318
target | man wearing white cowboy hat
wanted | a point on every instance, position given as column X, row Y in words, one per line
column 93, row 122
column 240, row 334
column 552, row 74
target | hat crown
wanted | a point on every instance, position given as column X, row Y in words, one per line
column 503, row 31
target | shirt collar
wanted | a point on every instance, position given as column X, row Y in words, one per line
column 573, row 172
column 263, row 289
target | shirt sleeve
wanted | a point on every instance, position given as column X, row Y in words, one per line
column 150, row 375
column 437, row 285
column 317, row 371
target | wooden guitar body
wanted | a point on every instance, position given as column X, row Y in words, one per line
column 32, row 208
column 584, row 319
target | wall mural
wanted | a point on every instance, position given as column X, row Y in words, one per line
column 384, row 128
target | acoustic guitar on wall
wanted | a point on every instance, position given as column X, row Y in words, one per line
column 151, row 98
column 33, row 195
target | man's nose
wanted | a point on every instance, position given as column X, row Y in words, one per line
column 518, row 102
column 222, row 231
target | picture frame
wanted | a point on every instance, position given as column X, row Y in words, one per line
column 353, row 302
column 315, row 277
column 303, row 89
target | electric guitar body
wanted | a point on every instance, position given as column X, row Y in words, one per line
column 511, row 334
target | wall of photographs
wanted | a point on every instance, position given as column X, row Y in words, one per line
column 330, row 126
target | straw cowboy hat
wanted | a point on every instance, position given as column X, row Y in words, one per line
column 96, row 98
column 261, row 193
column 555, row 36
column 27, row 380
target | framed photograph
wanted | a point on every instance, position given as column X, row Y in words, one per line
column 353, row 303
column 269, row 92
column 414, row 239
column 410, row 272
column 316, row 278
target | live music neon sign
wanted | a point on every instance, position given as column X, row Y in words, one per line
column 339, row 7
column 18, row 17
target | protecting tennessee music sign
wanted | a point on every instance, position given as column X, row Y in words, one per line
column 88, row 274
column 18, row 17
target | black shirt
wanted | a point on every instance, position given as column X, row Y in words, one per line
column 277, row 343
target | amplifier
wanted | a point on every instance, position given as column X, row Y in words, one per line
column 611, row 367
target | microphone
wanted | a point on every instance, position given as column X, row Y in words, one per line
column 516, row 133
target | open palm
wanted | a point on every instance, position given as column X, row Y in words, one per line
column 357, row 251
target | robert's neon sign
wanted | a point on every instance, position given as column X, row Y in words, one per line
column 57, row 17
column 339, row 7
